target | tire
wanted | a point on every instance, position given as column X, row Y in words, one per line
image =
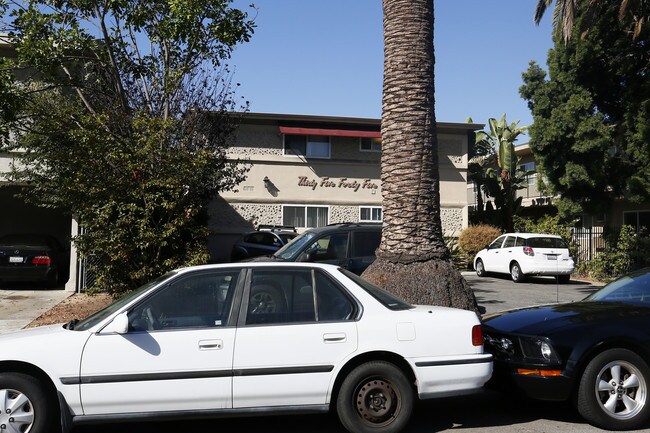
column 480, row 268
column 375, row 397
column 563, row 279
column 266, row 299
column 610, row 406
column 26, row 407
column 515, row 273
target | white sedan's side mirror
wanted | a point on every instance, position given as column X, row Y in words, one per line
column 119, row 325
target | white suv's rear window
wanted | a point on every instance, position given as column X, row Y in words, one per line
column 546, row 243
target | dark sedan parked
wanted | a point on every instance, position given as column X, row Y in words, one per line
column 32, row 258
column 263, row 242
column 594, row 352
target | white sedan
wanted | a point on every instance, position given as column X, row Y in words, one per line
column 522, row 254
column 242, row 339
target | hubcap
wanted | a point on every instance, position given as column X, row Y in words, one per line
column 479, row 267
column 16, row 412
column 621, row 390
column 515, row 272
column 377, row 402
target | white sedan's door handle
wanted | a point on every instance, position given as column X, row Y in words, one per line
column 210, row 344
column 334, row 338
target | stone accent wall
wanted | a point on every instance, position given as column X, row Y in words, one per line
column 452, row 221
column 240, row 217
column 255, row 140
column 344, row 214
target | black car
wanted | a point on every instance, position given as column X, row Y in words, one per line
column 595, row 352
column 32, row 258
column 263, row 242
column 349, row 245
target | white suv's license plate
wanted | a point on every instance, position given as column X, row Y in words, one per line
column 15, row 259
column 552, row 257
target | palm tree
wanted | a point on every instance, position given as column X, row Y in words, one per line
column 634, row 12
column 412, row 260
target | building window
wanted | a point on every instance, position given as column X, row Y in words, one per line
column 305, row 216
column 370, row 144
column 639, row 219
column 310, row 146
column 370, row 214
column 529, row 170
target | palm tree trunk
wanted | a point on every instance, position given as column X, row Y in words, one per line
column 412, row 260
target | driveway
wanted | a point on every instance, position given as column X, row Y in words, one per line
column 19, row 305
column 498, row 293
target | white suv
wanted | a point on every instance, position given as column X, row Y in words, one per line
column 522, row 254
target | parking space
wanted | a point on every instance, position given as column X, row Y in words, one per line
column 498, row 293
column 20, row 304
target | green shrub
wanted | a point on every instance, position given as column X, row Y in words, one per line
column 474, row 238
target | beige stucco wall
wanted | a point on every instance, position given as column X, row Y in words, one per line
column 348, row 179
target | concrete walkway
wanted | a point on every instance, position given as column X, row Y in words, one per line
column 18, row 307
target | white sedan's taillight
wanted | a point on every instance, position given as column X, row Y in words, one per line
column 529, row 251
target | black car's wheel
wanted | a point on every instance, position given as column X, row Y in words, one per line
column 480, row 268
column 24, row 406
column 375, row 397
column 563, row 279
column 613, row 392
column 515, row 273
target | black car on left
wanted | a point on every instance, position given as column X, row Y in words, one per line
column 266, row 240
column 33, row 258
column 594, row 352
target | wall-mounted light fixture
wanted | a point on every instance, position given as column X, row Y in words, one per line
column 270, row 187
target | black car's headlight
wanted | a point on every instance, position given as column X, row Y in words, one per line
column 538, row 348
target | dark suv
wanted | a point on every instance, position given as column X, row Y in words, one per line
column 349, row 245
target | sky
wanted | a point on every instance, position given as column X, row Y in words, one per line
column 325, row 57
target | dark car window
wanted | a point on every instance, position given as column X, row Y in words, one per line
column 201, row 300
column 330, row 247
column 497, row 242
column 286, row 237
column 546, row 242
column 633, row 288
column 270, row 240
column 292, row 250
column 280, row 296
column 333, row 304
column 365, row 243
column 521, row 242
column 510, row 242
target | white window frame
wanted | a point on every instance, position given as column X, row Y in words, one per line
column 287, row 152
column 371, row 150
column 371, row 209
column 329, row 213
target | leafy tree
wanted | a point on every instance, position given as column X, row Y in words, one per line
column 124, row 122
column 633, row 15
column 412, row 259
column 498, row 169
column 591, row 130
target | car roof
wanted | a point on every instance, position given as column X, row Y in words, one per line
column 531, row 235
column 347, row 226
column 273, row 264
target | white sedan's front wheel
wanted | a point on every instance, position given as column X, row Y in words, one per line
column 23, row 405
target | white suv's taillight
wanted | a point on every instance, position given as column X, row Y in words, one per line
column 529, row 251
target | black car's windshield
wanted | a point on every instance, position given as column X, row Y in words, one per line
column 291, row 250
column 94, row 319
column 389, row 300
column 632, row 288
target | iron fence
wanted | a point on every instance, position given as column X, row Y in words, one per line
column 590, row 242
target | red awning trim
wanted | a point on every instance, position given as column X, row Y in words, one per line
column 329, row 132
